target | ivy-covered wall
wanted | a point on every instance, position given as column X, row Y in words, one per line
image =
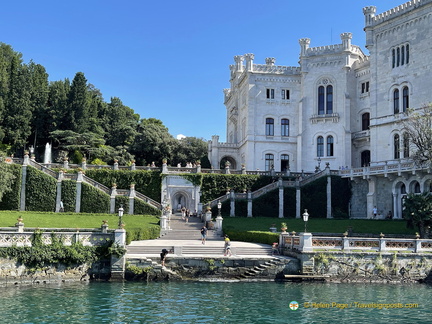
column 68, row 195
column 41, row 190
column 11, row 199
column 93, row 200
column 142, row 208
column 146, row 182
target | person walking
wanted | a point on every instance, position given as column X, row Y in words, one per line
column 227, row 246
column 203, row 234
column 163, row 256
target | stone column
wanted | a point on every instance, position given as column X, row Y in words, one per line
column 329, row 209
column 131, row 199
column 281, row 198
column 78, row 192
column 59, row 195
column 371, row 196
column 298, row 199
column 232, row 203
column 306, row 242
column 116, row 165
column 112, row 200
column 164, row 167
column 84, row 164
column 133, row 165
column 23, row 188
column 249, row 204
column 65, row 163
column 198, row 168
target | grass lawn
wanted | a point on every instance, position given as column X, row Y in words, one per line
column 73, row 220
column 318, row 225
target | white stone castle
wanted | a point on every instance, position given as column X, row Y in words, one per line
column 339, row 106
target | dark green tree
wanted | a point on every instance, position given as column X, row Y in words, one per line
column 6, row 177
column 190, row 149
column 57, row 105
column 78, row 105
column 418, row 212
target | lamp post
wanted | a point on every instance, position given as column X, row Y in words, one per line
column 219, row 204
column 120, row 214
column 305, row 219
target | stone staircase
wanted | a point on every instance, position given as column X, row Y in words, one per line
column 262, row 269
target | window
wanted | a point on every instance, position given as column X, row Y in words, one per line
column 405, row 99
column 400, row 55
column 321, row 100
column 365, row 87
column 325, row 100
column 285, row 94
column 269, row 162
column 270, row 93
column 320, row 146
column 284, row 162
column 396, row 146
column 365, row 121
column 330, row 146
column 405, row 145
column 365, row 158
column 396, row 101
column 329, row 107
column 285, row 127
column 269, row 131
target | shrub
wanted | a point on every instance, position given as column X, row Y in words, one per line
column 41, row 190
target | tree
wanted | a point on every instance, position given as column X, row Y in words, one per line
column 78, row 105
column 190, row 149
column 6, row 176
column 153, row 142
column 418, row 212
column 418, row 129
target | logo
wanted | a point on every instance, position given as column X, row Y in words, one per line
column 293, row 305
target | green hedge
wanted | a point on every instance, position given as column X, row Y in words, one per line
column 41, row 190
column 94, row 200
column 11, row 199
column 68, row 195
column 253, row 236
column 267, row 205
column 137, row 234
column 142, row 208
column 146, row 182
column 290, row 202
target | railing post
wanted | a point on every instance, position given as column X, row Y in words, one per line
column 249, row 203
column 306, row 242
column 232, row 203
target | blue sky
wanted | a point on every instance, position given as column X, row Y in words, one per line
column 170, row 59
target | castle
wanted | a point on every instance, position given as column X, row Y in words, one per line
column 339, row 106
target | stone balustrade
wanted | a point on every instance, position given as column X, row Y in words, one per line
column 306, row 242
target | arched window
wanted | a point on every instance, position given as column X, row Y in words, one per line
column 396, row 146
column 405, row 145
column 269, row 162
column 330, row 145
column 320, row 146
column 396, row 101
column 321, row 100
column 329, row 106
column 403, row 189
column 365, row 121
column 284, row 162
column 285, row 127
column 405, row 99
column 269, row 131
column 417, row 187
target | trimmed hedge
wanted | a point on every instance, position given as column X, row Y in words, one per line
column 41, row 190
column 142, row 208
column 253, row 236
column 146, row 182
column 93, row 200
column 68, row 195
column 11, row 199
column 137, row 234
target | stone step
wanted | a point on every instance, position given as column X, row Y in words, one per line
column 200, row 250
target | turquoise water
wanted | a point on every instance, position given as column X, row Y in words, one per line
column 215, row 302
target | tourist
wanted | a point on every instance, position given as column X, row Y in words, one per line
column 183, row 212
column 61, row 206
column 203, row 234
column 163, row 256
column 187, row 214
column 374, row 212
column 227, row 246
column 275, row 248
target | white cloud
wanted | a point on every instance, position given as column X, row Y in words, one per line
column 180, row 136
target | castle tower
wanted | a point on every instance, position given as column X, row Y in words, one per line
column 369, row 13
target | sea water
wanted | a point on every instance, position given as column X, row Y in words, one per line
column 216, row 302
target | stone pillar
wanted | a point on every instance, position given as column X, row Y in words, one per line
column 306, row 242
column 232, row 203
column 249, row 61
column 78, row 192
column 26, row 159
column 131, row 199
column 208, row 216
column 116, row 165
column 281, row 198
column 118, row 264
column 243, row 169
column 84, row 164
column 164, row 167
column 198, row 168
column 163, row 221
column 418, row 247
column 371, row 196
column 104, row 227
column 218, row 225
column 112, row 200
column 227, row 168
column 133, row 166
column 65, row 163
column 23, row 188
column 298, row 199
column 345, row 243
column 59, row 195
column 20, row 226
column 329, row 209
column 249, row 204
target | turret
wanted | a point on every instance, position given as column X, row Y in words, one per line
column 304, row 45
column 249, row 62
column 369, row 13
column 346, row 41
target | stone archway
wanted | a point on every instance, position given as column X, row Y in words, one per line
column 231, row 160
column 178, row 190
